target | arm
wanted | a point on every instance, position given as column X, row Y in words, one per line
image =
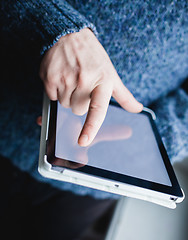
column 39, row 24
column 76, row 70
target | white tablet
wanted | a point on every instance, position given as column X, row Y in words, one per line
column 127, row 156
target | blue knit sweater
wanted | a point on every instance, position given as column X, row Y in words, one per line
column 147, row 42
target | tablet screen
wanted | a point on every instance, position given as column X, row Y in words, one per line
column 125, row 144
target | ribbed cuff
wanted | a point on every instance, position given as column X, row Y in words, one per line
column 55, row 19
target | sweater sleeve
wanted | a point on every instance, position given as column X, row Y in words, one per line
column 172, row 119
column 39, row 24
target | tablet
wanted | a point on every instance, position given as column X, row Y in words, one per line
column 127, row 156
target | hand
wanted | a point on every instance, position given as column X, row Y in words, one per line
column 78, row 72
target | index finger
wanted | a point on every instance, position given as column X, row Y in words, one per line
column 100, row 98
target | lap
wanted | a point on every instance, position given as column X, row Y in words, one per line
column 32, row 208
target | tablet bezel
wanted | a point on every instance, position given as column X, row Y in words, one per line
column 174, row 190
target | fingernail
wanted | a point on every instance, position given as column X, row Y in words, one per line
column 83, row 139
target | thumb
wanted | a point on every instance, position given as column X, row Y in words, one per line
column 125, row 98
column 39, row 121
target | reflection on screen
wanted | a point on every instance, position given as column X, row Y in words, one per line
column 125, row 144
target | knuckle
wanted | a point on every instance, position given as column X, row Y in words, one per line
column 80, row 108
column 65, row 104
column 79, row 112
column 67, row 74
column 68, row 80
column 50, row 84
column 82, row 82
column 90, row 126
column 52, row 97
column 51, row 89
column 62, row 80
column 51, row 79
column 51, row 94
column 69, row 84
column 94, row 106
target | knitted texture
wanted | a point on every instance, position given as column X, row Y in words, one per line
column 41, row 22
column 147, row 42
